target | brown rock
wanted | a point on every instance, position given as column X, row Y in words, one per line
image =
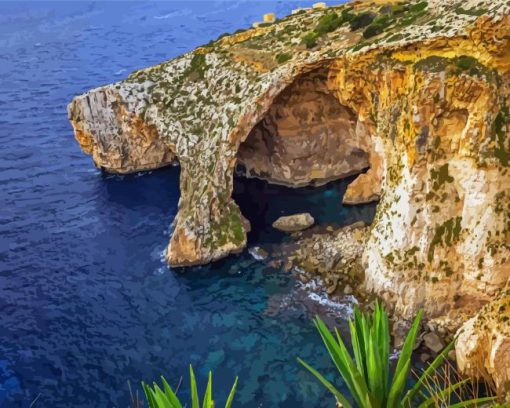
column 433, row 342
column 296, row 222
column 483, row 344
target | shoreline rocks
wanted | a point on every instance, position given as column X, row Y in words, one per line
column 331, row 254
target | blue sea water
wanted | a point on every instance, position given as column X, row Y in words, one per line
column 86, row 300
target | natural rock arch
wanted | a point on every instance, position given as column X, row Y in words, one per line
column 434, row 99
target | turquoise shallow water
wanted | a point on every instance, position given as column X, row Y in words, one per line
column 86, row 300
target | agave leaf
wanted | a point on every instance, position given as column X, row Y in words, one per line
column 339, row 397
column 432, row 400
column 230, row 398
column 383, row 342
column 149, row 395
column 335, row 352
column 399, row 381
column 208, row 401
column 361, row 391
column 407, row 349
column 161, row 399
column 170, row 395
column 195, row 402
column 374, row 374
column 474, row 402
column 362, row 329
column 430, row 369
column 404, row 363
column 356, row 347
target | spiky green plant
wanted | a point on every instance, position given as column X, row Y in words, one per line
column 166, row 397
column 367, row 373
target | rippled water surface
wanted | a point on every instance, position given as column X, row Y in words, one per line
column 86, row 301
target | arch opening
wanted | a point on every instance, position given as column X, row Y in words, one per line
column 306, row 138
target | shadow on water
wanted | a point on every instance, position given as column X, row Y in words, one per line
column 156, row 188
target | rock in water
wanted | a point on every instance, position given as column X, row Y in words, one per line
column 433, row 342
column 293, row 223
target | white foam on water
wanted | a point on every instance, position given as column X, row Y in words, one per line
column 177, row 13
column 253, row 251
column 161, row 270
column 346, row 309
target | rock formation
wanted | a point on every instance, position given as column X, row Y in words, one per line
column 423, row 95
column 295, row 222
column 483, row 345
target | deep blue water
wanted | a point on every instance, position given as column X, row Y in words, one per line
column 86, row 300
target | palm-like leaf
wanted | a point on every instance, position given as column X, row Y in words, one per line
column 208, row 401
column 230, row 398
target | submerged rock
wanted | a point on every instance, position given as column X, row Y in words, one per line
column 293, row 223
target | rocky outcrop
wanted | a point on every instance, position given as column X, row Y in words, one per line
column 109, row 124
column 445, row 193
column 483, row 344
column 423, row 96
column 331, row 256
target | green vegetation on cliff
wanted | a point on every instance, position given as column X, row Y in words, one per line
column 367, row 374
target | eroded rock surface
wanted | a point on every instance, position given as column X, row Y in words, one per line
column 424, row 98
column 293, row 223
column 483, row 344
column 332, row 255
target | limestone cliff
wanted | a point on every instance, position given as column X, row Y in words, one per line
column 423, row 100
column 483, row 344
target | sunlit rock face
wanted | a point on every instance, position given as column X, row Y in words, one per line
column 306, row 137
column 443, row 205
column 109, row 124
column 483, row 344
column 423, row 101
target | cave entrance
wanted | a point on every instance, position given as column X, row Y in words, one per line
column 306, row 137
column 300, row 157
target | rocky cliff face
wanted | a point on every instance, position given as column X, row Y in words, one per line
column 419, row 92
column 483, row 345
